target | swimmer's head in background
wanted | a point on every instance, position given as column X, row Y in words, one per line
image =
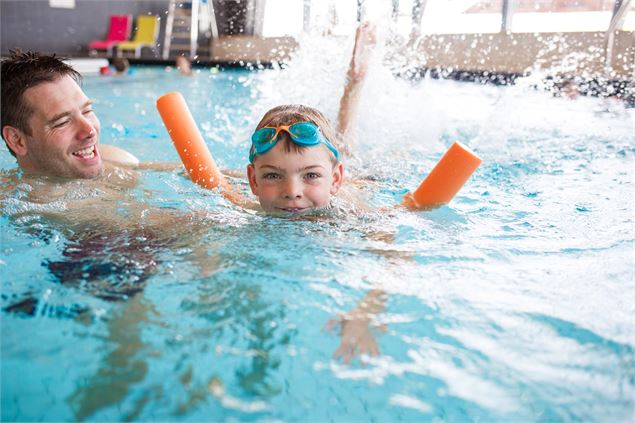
column 297, row 127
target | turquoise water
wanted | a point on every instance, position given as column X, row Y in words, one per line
column 513, row 303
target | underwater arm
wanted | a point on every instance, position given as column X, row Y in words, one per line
column 160, row 166
column 356, row 335
column 365, row 41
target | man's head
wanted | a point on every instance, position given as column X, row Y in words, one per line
column 295, row 176
column 47, row 121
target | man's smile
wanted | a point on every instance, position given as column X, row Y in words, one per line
column 86, row 153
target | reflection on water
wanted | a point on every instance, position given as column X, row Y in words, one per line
column 113, row 266
column 122, row 366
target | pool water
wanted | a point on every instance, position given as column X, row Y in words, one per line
column 513, row 303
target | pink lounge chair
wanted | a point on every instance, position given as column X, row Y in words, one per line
column 119, row 30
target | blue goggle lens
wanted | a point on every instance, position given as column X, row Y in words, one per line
column 262, row 136
column 304, row 130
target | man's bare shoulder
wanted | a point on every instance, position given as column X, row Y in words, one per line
column 117, row 155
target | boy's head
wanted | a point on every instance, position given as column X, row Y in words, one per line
column 294, row 173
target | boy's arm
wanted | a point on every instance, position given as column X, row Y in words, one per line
column 365, row 41
column 356, row 337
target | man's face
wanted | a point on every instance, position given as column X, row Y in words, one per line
column 290, row 182
column 64, row 131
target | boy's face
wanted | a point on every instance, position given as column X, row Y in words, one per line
column 294, row 182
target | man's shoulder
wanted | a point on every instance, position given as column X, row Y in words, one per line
column 117, row 155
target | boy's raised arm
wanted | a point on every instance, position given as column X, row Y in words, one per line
column 365, row 41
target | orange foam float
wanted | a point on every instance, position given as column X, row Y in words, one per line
column 445, row 180
column 438, row 188
column 189, row 143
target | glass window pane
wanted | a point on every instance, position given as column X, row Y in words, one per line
column 461, row 16
column 629, row 19
column 403, row 17
column 283, row 17
column 343, row 16
column 333, row 17
column 562, row 15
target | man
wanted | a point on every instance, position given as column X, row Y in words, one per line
column 48, row 123
column 75, row 185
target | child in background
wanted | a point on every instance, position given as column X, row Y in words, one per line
column 121, row 66
column 183, row 65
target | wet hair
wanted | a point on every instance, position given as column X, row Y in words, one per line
column 120, row 64
column 21, row 71
column 288, row 114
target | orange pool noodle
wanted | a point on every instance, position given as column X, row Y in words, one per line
column 445, row 180
column 189, row 143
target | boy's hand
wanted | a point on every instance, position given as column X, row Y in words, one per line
column 356, row 338
column 365, row 40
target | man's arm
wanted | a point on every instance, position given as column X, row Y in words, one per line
column 121, row 157
column 160, row 166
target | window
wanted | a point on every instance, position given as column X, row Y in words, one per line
column 339, row 17
column 629, row 19
column 562, row 15
column 283, row 17
column 461, row 16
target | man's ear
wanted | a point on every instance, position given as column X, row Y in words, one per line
column 251, row 175
column 15, row 139
column 338, row 178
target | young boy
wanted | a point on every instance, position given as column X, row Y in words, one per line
column 295, row 156
column 295, row 167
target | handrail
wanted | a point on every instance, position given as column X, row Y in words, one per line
column 169, row 23
column 211, row 15
column 507, row 13
column 194, row 28
column 619, row 12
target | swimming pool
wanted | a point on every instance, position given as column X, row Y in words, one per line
column 514, row 303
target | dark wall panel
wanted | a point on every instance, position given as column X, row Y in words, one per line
column 235, row 16
column 34, row 25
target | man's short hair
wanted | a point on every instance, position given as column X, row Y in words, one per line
column 21, row 71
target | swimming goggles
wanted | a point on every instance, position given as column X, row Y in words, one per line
column 302, row 133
